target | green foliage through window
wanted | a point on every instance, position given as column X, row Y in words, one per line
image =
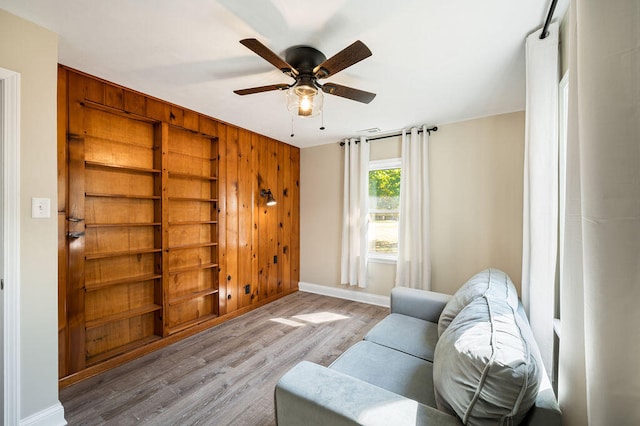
column 384, row 188
column 384, row 205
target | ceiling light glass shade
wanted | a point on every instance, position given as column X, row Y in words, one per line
column 304, row 100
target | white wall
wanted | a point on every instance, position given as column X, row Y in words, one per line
column 32, row 51
column 476, row 170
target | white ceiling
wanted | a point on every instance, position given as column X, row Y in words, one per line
column 433, row 62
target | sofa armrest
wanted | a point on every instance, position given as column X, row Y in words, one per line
column 311, row 395
column 423, row 304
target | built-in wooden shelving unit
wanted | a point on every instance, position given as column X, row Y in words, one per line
column 162, row 230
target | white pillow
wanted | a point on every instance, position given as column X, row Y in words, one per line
column 491, row 282
column 484, row 369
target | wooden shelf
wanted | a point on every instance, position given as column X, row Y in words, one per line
column 203, row 200
column 184, row 154
column 122, row 224
column 135, row 197
column 128, row 280
column 191, row 323
column 193, row 268
column 122, row 316
column 190, row 176
column 121, row 253
column 194, row 222
column 119, row 168
column 190, row 296
column 122, row 349
column 190, row 246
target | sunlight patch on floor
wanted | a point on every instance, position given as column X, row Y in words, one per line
column 320, row 317
column 288, row 322
column 315, row 318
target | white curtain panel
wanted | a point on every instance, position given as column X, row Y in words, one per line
column 414, row 253
column 540, row 198
column 355, row 215
column 599, row 382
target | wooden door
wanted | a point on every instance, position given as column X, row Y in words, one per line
column 115, row 238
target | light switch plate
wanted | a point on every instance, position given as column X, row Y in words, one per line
column 40, row 208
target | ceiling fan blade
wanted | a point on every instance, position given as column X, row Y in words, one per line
column 268, row 55
column 348, row 92
column 261, row 89
column 345, row 58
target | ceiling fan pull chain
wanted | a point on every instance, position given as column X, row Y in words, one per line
column 292, row 134
column 322, row 120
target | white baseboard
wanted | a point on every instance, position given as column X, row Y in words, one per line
column 50, row 416
column 343, row 293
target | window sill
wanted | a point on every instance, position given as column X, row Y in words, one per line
column 380, row 258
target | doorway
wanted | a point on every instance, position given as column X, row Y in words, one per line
column 10, row 245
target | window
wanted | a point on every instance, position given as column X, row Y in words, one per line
column 384, row 209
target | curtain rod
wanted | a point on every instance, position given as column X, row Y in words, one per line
column 545, row 29
column 393, row 135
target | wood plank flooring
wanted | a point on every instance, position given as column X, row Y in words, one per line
column 225, row 375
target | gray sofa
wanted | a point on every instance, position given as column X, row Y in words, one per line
column 434, row 360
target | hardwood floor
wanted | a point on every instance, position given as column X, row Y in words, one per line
column 225, row 375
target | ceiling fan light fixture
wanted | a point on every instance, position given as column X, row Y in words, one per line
column 307, row 65
column 304, row 100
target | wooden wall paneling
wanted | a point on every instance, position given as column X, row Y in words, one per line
column 158, row 110
column 75, row 250
column 86, row 88
column 135, row 103
column 114, row 96
column 63, row 338
column 279, row 266
column 272, row 218
column 231, row 160
column 190, row 120
column 256, row 186
column 63, row 122
column 176, row 115
column 286, row 220
column 76, row 92
column 63, row 126
column 208, row 126
column 262, row 228
column 222, row 220
column 268, row 217
column 295, row 207
column 161, row 233
column 245, row 219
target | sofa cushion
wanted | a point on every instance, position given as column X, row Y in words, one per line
column 389, row 369
column 485, row 370
column 491, row 282
column 407, row 334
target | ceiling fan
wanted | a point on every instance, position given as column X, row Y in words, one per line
column 306, row 65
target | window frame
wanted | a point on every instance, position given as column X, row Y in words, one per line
column 384, row 164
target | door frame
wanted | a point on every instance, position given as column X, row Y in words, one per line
column 10, row 144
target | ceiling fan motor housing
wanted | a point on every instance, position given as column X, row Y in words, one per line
column 304, row 58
